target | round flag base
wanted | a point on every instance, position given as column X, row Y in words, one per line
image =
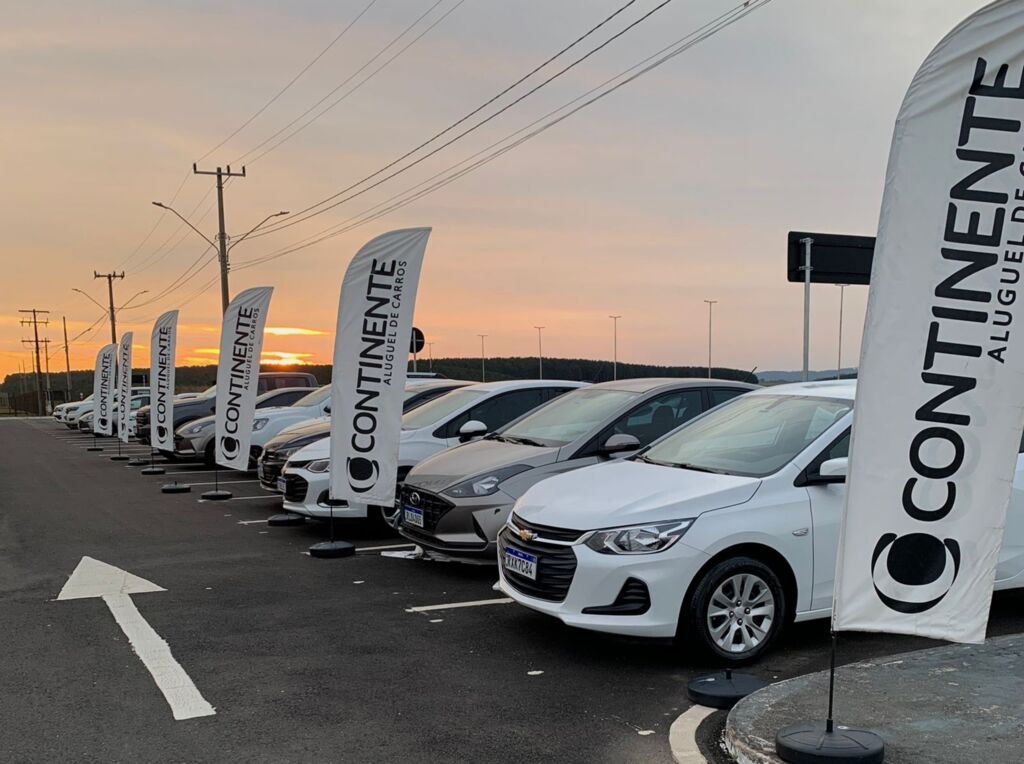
column 175, row 488
column 811, row 743
column 723, row 689
column 94, row 448
column 331, row 549
column 286, row 518
column 137, row 462
column 152, row 471
column 217, row 495
column 121, row 458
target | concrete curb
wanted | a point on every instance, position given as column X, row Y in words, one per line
column 946, row 705
column 682, row 735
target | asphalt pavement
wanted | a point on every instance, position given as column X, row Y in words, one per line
column 302, row 658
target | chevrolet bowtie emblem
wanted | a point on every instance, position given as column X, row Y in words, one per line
column 526, row 535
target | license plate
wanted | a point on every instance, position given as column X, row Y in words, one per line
column 282, row 484
column 413, row 516
column 520, row 562
column 259, row 471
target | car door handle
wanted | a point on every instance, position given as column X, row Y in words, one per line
column 801, row 531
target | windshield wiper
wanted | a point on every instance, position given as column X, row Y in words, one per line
column 521, row 441
column 649, row 460
column 696, row 468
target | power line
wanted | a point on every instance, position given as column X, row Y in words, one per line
column 34, row 322
column 291, row 82
column 584, row 100
column 301, row 216
column 344, row 82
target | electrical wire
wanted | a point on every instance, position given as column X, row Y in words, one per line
column 301, row 216
column 643, row 67
column 344, row 82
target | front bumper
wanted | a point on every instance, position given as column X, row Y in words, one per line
column 185, row 448
column 458, row 528
column 306, row 494
column 600, row 579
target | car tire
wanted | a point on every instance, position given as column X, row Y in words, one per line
column 729, row 632
column 209, row 457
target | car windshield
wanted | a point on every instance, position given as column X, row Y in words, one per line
column 568, row 417
column 752, row 435
column 209, row 392
column 315, row 398
column 434, row 411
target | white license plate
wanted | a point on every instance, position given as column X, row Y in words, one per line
column 520, row 562
column 259, row 471
column 282, row 484
column 413, row 516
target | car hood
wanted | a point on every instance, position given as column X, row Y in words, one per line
column 284, row 412
column 628, row 493
column 321, row 426
column 322, row 448
column 444, row 469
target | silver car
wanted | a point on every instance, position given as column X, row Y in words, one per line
column 456, row 501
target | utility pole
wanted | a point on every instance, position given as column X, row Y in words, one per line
column 110, row 294
column 615, row 346
column 806, row 268
column 222, row 237
column 35, row 329
column 710, row 306
column 540, row 353
column 483, row 359
column 430, row 350
column 839, row 352
column 46, row 355
column 67, row 357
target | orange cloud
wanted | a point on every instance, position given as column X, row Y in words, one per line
column 291, row 331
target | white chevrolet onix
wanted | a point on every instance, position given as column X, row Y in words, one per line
column 721, row 532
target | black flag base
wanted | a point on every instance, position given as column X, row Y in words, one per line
column 819, row 742
column 152, row 470
column 330, row 549
column 218, row 495
column 94, row 448
column 175, row 487
column 119, row 458
column 723, row 689
column 286, row 518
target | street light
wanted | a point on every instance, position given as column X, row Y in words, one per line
column 128, row 302
column 430, row 351
column 839, row 352
column 86, row 294
column 615, row 346
column 257, row 227
column 184, row 220
column 540, row 353
column 483, row 359
column 711, row 304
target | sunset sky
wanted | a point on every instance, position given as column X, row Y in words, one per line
column 677, row 188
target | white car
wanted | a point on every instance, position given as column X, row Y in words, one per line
column 721, row 532
column 61, row 410
column 74, row 411
column 456, row 417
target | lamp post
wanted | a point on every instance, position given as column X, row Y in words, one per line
column 839, row 351
column 711, row 304
column 540, row 353
column 615, row 346
column 223, row 249
column 483, row 359
column 430, row 351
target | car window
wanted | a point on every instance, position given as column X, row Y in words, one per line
column 288, row 397
column 753, row 435
column 662, row 414
column 571, row 416
column 498, row 410
column 433, row 412
column 315, row 398
column 723, row 394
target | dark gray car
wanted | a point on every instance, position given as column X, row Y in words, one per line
column 456, row 501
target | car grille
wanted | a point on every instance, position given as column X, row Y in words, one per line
column 295, row 487
column 556, row 563
column 270, row 469
column 432, row 505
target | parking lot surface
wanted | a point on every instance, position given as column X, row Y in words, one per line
column 301, row 658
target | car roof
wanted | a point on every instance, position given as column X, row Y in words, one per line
column 519, row 384
column 421, row 383
column 649, row 384
column 834, row 388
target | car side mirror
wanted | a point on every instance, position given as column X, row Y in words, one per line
column 831, row 471
column 474, row 428
column 619, row 443
column 327, row 409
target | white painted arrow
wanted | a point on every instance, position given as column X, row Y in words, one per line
column 114, row 586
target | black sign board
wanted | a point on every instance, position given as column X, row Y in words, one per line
column 417, row 341
column 835, row 258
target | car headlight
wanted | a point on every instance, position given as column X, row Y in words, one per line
column 486, row 484
column 638, row 539
column 259, row 424
column 319, row 465
column 195, row 429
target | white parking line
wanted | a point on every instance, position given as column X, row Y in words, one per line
column 251, row 522
column 236, row 498
column 224, row 482
column 453, row 605
column 682, row 735
column 386, row 546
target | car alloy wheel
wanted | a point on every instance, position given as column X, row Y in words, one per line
column 741, row 613
column 737, row 610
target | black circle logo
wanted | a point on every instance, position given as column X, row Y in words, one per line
column 229, row 446
column 362, row 473
column 913, row 573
